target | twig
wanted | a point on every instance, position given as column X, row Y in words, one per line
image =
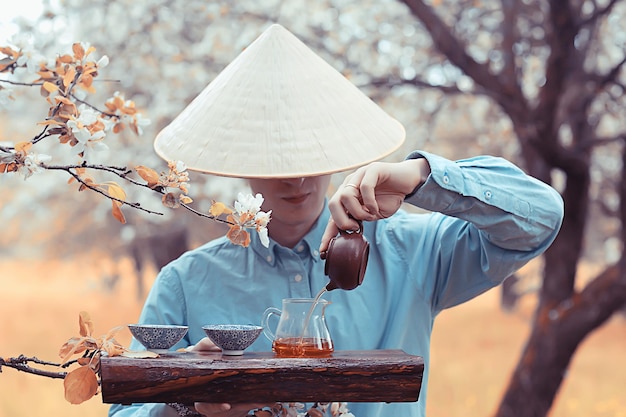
column 68, row 169
column 21, row 364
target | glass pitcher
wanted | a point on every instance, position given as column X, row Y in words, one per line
column 301, row 329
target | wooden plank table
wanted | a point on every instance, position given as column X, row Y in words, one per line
column 187, row 377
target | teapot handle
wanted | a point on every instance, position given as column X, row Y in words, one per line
column 265, row 322
column 324, row 254
column 349, row 232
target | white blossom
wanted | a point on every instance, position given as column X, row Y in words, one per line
column 246, row 203
column 32, row 164
column 87, row 116
column 264, row 237
column 103, row 62
column 87, row 142
column 141, row 121
column 7, row 157
column 31, row 59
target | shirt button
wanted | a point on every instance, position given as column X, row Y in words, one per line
column 446, row 179
column 487, row 195
column 300, row 248
column 298, row 278
column 269, row 258
column 316, row 253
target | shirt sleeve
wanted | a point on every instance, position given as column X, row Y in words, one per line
column 142, row 410
column 496, row 219
column 514, row 210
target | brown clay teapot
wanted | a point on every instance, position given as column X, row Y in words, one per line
column 346, row 259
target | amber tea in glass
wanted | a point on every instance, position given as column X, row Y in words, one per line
column 306, row 347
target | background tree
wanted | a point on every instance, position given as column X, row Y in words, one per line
column 537, row 81
column 569, row 111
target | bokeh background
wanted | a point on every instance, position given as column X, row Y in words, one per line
column 62, row 251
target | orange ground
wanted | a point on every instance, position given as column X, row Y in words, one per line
column 475, row 346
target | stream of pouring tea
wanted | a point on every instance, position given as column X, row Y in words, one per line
column 308, row 316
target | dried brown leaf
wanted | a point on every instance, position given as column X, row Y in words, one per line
column 218, row 208
column 140, row 354
column 71, row 347
column 49, row 87
column 23, row 147
column 75, row 346
column 86, row 80
column 148, row 174
column 111, row 333
column 185, row 199
column 50, row 122
column 117, row 212
column 170, row 200
column 80, row 385
column 69, row 76
column 238, row 236
column 7, row 50
column 115, row 190
column 113, row 348
column 79, row 51
column 85, row 325
column 65, row 59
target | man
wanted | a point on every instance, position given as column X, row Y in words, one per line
column 488, row 218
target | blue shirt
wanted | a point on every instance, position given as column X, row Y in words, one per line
column 486, row 219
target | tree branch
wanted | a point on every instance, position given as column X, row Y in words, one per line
column 21, row 364
column 453, row 49
column 390, row 82
column 586, row 311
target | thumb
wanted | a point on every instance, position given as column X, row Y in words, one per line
column 330, row 232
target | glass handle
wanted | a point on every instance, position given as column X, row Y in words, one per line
column 265, row 322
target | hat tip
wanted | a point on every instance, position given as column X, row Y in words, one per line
column 274, row 27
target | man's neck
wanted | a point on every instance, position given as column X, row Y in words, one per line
column 289, row 235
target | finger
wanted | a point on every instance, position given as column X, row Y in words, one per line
column 329, row 233
column 226, row 409
column 352, row 202
column 344, row 209
column 205, row 345
column 212, row 409
column 367, row 188
column 346, row 205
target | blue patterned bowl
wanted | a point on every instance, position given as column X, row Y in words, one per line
column 158, row 338
column 233, row 339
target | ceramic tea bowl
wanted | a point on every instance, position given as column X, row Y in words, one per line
column 158, row 338
column 233, row 339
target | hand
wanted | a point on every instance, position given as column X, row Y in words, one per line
column 225, row 409
column 372, row 192
column 204, row 345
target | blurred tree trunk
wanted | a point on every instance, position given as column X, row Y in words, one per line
column 564, row 316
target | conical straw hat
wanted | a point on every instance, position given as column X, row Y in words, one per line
column 278, row 110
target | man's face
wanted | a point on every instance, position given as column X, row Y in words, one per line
column 293, row 201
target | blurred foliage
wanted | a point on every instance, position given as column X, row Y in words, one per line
column 166, row 52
